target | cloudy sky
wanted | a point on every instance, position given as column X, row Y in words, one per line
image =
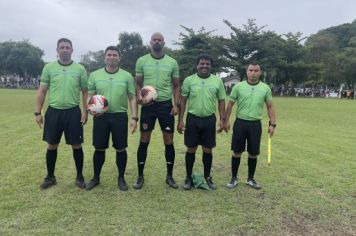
column 94, row 24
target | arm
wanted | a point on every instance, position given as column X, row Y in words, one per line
column 139, row 85
column 227, row 115
column 133, row 107
column 221, row 108
column 176, row 93
column 272, row 117
column 181, row 126
column 40, row 98
column 84, row 117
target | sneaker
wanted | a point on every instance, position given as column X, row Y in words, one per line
column 79, row 181
column 139, row 182
column 233, row 183
column 48, row 182
column 170, row 181
column 122, row 184
column 210, row 183
column 188, row 183
column 253, row 184
column 92, row 184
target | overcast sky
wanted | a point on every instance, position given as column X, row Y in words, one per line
column 94, row 24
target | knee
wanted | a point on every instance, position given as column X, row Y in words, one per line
column 77, row 146
column 236, row 155
column 207, row 150
column 52, row 146
column 191, row 149
column 121, row 150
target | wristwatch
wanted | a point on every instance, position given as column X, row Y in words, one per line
column 273, row 125
column 37, row 113
column 135, row 118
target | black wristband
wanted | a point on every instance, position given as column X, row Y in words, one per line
column 135, row 118
column 273, row 125
column 37, row 113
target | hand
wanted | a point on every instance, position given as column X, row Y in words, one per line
column 139, row 99
column 271, row 131
column 227, row 126
column 133, row 126
column 221, row 127
column 84, row 117
column 181, row 127
column 39, row 120
column 174, row 110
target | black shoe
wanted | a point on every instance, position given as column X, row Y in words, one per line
column 188, row 183
column 210, row 183
column 122, row 184
column 253, row 184
column 139, row 182
column 48, row 182
column 233, row 183
column 79, row 181
column 170, row 181
column 92, row 184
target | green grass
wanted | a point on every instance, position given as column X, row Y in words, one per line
column 310, row 188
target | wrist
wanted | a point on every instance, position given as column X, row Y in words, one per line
column 37, row 113
column 272, row 124
column 134, row 118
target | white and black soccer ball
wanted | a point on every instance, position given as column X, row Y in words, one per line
column 148, row 94
column 98, row 104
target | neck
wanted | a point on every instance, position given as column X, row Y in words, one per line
column 156, row 54
column 65, row 62
column 111, row 69
column 253, row 81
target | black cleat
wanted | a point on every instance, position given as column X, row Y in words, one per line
column 139, row 182
column 210, row 183
column 122, row 184
column 253, row 184
column 79, row 181
column 48, row 182
column 188, row 183
column 233, row 183
column 170, row 181
column 92, row 184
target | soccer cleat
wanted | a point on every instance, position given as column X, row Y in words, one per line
column 170, row 181
column 233, row 183
column 122, row 184
column 188, row 183
column 92, row 184
column 139, row 182
column 210, row 183
column 48, row 182
column 253, row 184
column 79, row 181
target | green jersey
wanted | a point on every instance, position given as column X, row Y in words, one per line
column 250, row 99
column 203, row 94
column 158, row 73
column 64, row 83
column 116, row 87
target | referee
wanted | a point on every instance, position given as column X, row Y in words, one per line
column 64, row 80
column 203, row 91
column 250, row 96
column 118, row 86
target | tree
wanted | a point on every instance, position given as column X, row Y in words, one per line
column 93, row 60
column 20, row 58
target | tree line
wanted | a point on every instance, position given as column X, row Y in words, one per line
column 327, row 58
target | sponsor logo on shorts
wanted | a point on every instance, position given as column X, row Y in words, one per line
column 144, row 126
column 168, row 128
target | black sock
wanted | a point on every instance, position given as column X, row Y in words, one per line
column 207, row 161
column 98, row 162
column 121, row 160
column 51, row 158
column 141, row 157
column 252, row 163
column 235, row 163
column 170, row 156
column 189, row 163
column 78, row 156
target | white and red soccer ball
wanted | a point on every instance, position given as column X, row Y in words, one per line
column 148, row 94
column 98, row 104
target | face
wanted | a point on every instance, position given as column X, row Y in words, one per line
column 157, row 42
column 253, row 72
column 64, row 51
column 112, row 58
column 204, row 67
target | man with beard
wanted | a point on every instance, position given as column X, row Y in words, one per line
column 251, row 96
column 118, row 86
column 161, row 72
column 202, row 90
column 64, row 79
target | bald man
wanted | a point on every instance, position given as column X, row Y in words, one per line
column 160, row 71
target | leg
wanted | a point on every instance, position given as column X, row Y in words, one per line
column 189, row 163
column 121, row 161
column 235, row 163
column 98, row 162
column 141, row 157
column 51, row 158
column 170, row 157
column 207, row 162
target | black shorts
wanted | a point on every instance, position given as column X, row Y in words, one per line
column 58, row 121
column 200, row 131
column 116, row 123
column 160, row 110
column 246, row 130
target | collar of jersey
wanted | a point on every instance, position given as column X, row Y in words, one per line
column 253, row 84
column 66, row 64
column 111, row 72
column 157, row 58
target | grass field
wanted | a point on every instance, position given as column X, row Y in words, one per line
column 310, row 188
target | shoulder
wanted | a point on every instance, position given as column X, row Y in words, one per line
column 169, row 58
column 144, row 58
column 125, row 73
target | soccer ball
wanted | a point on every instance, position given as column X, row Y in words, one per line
column 148, row 94
column 98, row 104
